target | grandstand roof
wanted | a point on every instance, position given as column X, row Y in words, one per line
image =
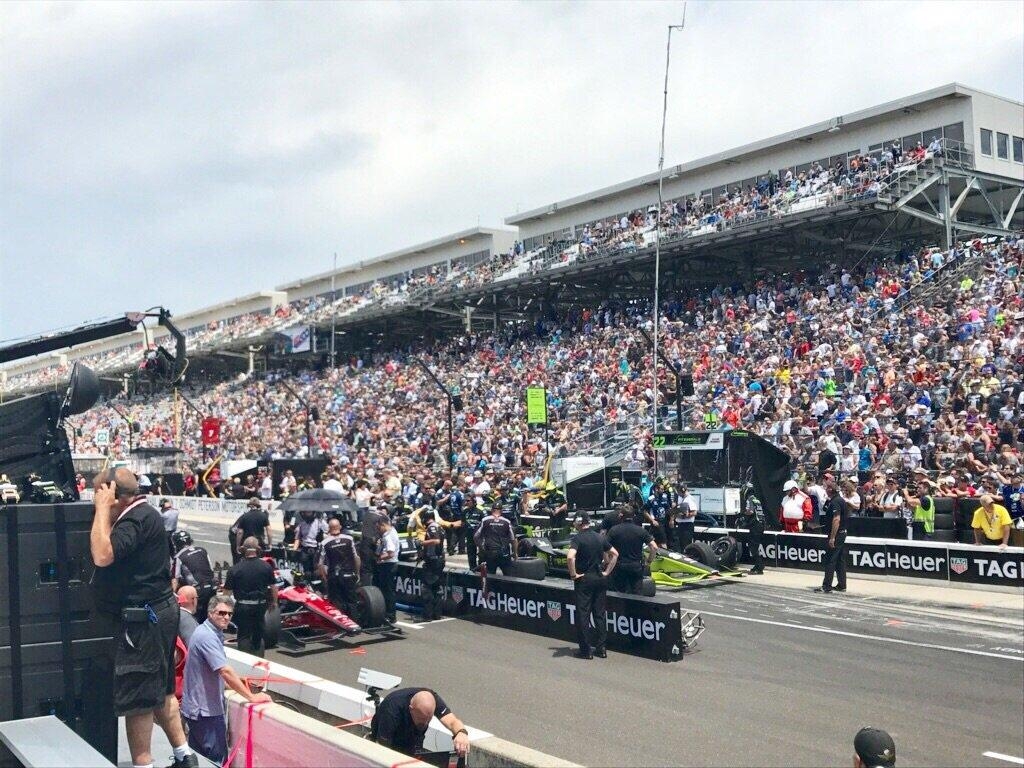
column 437, row 244
column 875, row 113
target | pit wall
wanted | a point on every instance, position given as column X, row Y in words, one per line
column 323, row 705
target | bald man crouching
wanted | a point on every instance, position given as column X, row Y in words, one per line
column 401, row 721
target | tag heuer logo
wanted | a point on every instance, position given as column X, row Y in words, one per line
column 554, row 610
column 958, row 565
column 457, row 594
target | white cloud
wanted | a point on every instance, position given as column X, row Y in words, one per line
column 209, row 150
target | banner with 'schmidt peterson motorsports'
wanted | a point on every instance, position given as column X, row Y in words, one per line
column 891, row 557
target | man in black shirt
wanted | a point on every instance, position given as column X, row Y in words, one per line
column 432, row 552
column 135, row 605
column 835, row 552
column 590, row 558
column 256, row 523
column 629, row 539
column 339, row 567
column 252, row 583
column 192, row 567
column 496, row 539
column 401, row 720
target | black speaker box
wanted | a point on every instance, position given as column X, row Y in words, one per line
column 53, row 658
column 36, row 559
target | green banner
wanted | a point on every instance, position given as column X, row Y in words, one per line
column 536, row 405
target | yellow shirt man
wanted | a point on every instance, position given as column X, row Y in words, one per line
column 992, row 521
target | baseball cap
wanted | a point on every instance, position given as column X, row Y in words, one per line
column 875, row 748
column 790, row 485
column 165, row 502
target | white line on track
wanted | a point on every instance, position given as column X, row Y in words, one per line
column 895, row 640
column 207, row 541
column 1001, row 756
column 424, row 625
column 407, row 624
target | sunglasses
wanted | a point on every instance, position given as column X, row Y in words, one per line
column 229, row 614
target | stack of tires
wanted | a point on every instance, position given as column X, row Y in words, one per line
column 945, row 524
column 723, row 552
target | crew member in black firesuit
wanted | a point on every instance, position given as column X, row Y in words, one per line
column 662, row 500
column 630, row 539
column 432, row 553
column 472, row 517
column 192, row 567
column 339, row 567
column 752, row 518
column 308, row 534
column 251, row 582
column 590, row 560
column 552, row 503
column 448, row 501
column 496, row 539
column 254, row 522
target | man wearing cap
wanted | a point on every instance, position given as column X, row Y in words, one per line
column 254, row 522
column 590, row 559
column 873, row 748
column 796, row 507
column 991, row 523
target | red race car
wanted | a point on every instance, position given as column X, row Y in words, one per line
column 305, row 616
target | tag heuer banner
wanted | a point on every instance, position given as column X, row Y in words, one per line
column 536, row 405
column 892, row 557
column 643, row 626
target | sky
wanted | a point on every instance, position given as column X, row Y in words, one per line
column 183, row 154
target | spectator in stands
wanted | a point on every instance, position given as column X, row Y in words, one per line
column 206, row 672
column 991, row 523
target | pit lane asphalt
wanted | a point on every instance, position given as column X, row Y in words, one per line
column 781, row 677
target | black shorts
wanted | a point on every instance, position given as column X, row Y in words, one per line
column 144, row 660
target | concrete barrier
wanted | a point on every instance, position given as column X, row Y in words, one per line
column 329, row 703
column 272, row 735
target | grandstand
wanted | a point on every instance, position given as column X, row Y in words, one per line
column 857, row 229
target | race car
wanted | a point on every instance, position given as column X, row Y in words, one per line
column 304, row 616
column 698, row 562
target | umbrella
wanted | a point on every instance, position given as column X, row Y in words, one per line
column 318, row 500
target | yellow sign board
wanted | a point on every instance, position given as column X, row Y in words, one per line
column 536, row 405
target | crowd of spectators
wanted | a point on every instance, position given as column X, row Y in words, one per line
column 773, row 195
column 859, row 369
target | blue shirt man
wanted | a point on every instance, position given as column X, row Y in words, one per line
column 206, row 672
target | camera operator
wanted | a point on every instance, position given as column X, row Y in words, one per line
column 251, row 582
column 432, row 554
column 339, row 567
column 192, row 567
column 135, row 605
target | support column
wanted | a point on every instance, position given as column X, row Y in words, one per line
column 944, row 209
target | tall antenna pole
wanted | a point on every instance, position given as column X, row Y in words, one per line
column 657, row 219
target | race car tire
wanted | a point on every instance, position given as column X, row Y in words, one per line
column 271, row 627
column 371, row 609
column 727, row 550
column 648, row 588
column 702, row 553
column 532, row 568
